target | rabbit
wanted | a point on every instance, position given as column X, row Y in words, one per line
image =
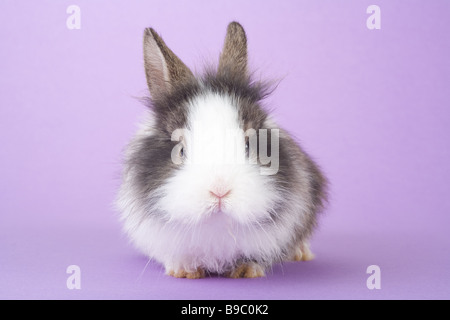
column 182, row 204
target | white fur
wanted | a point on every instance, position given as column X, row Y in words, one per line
column 194, row 233
column 209, row 142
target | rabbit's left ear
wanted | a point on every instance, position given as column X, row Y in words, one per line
column 233, row 59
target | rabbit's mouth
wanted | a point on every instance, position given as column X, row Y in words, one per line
column 219, row 200
column 218, row 207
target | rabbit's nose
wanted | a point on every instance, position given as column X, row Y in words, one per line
column 219, row 198
column 220, row 188
column 219, row 194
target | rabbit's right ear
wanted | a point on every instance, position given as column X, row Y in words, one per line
column 163, row 69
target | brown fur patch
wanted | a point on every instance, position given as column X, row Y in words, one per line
column 181, row 273
column 247, row 270
column 307, row 254
column 297, row 255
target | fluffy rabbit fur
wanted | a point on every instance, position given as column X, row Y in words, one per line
column 210, row 215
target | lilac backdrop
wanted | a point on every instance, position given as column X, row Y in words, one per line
column 372, row 106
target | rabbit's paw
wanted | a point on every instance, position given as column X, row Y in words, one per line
column 181, row 273
column 247, row 270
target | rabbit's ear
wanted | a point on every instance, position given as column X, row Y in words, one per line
column 233, row 59
column 163, row 69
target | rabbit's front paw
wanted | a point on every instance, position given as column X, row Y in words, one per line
column 247, row 270
column 181, row 273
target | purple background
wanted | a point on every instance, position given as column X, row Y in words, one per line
column 372, row 106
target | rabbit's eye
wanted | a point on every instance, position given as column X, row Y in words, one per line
column 247, row 146
column 181, row 152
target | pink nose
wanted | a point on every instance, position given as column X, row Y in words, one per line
column 220, row 195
